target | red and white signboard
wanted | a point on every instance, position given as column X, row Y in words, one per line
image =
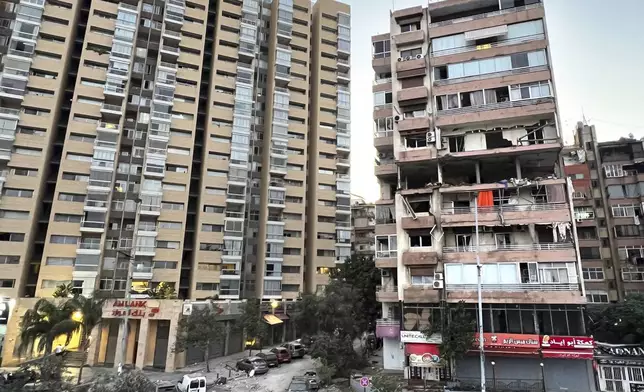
column 567, row 347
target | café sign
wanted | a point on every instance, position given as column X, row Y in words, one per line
column 508, row 340
column 567, row 342
column 134, row 308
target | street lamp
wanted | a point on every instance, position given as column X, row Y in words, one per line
column 274, row 304
column 543, row 378
column 493, row 375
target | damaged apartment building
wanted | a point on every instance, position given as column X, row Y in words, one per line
column 467, row 132
column 608, row 197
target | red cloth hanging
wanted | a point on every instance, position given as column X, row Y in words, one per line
column 485, row 199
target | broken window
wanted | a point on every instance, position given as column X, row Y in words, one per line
column 496, row 140
column 503, row 240
column 463, row 242
column 457, row 144
column 440, row 73
column 420, row 240
column 385, row 214
column 416, row 141
column 473, row 98
column 530, row 90
column 529, row 272
column 446, row 102
column 496, row 95
column 419, row 205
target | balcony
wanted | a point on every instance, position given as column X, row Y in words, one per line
column 412, row 95
column 230, row 274
column 387, row 294
column 346, row 162
column 5, row 154
column 528, row 293
column 383, row 140
column 479, row 21
column 89, row 247
column 419, row 256
column 420, row 222
column 92, row 226
column 11, row 114
column 495, row 111
column 387, row 328
column 409, row 37
column 521, row 214
column 414, row 123
column 421, row 294
column 108, row 127
column 386, row 168
column 142, row 272
column 543, row 252
column 413, row 155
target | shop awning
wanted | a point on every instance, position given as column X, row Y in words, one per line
column 271, row 319
column 568, row 354
column 423, row 354
column 281, row 316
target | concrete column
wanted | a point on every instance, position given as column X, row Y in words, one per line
column 283, row 331
column 95, row 342
column 517, row 163
column 118, row 358
column 139, row 356
column 477, row 170
column 440, row 172
column 172, row 340
column 227, row 341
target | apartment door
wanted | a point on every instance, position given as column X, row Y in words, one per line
column 161, row 347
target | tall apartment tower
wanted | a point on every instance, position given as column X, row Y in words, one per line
column 175, row 139
column 608, row 213
column 467, row 134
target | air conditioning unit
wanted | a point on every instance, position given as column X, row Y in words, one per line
column 385, row 273
column 419, row 56
column 396, row 118
column 438, row 276
column 431, row 137
column 187, row 309
column 437, row 284
column 382, row 155
column 400, row 59
column 408, row 58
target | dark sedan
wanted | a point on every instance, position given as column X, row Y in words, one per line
column 253, row 363
column 270, row 358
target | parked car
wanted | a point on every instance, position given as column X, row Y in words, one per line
column 282, row 353
column 270, row 358
column 192, row 383
column 252, row 363
column 297, row 350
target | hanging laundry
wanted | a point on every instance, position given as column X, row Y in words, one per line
column 485, row 199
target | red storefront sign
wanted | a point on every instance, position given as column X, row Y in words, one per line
column 567, row 347
column 508, row 344
column 136, row 308
column 423, row 354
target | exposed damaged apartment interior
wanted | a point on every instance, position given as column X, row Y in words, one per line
column 468, row 136
column 608, row 211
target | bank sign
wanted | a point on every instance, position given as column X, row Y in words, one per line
column 135, row 308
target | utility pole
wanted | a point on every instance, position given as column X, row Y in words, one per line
column 479, row 269
column 128, row 283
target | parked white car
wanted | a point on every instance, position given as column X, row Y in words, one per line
column 192, row 383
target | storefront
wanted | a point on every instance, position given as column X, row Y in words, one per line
column 620, row 367
column 537, row 362
column 422, row 356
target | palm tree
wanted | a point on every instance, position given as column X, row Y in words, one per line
column 63, row 291
column 44, row 323
column 88, row 312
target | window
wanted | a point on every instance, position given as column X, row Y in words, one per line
column 164, row 264
column 210, row 247
column 67, row 218
column 207, row 286
column 629, row 231
column 420, row 240
column 633, row 274
column 597, row 297
column 529, row 90
column 71, row 197
column 168, row 244
column 614, row 170
column 584, row 213
column 212, row 228
column 381, row 49
column 172, row 206
column 173, row 187
column 409, row 27
column 386, row 246
column 27, row 151
column 18, row 171
column 12, row 214
column 625, row 210
column 9, row 259
column 411, row 52
column 12, row 237
column 382, row 99
column 589, row 253
column 64, row 239
column 7, row 283
column 60, row 261
column 13, row 192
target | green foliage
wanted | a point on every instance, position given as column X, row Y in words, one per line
column 336, row 351
column 163, row 291
column 200, row 329
column 361, row 274
column 252, row 321
column 381, row 382
column 457, row 333
column 305, row 314
column 91, row 309
column 622, row 322
column 325, row 372
column 44, row 323
column 46, row 374
column 64, row 291
column 128, row 381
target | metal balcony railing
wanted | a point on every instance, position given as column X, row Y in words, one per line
column 509, row 247
column 230, row 272
column 89, row 245
column 92, row 224
column 385, row 254
column 515, row 287
column 10, row 112
column 507, row 208
column 485, row 15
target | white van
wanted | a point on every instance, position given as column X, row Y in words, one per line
column 192, row 383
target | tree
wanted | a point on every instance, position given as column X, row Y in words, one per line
column 305, row 315
column 336, row 351
column 381, row 382
column 252, row 322
column 128, row 381
column 44, row 323
column 200, row 329
column 622, row 322
column 88, row 311
column 339, row 310
column 64, row 291
column 361, row 274
column 457, row 332
column 45, row 374
column 163, row 291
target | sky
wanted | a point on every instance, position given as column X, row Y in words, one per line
column 586, row 39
